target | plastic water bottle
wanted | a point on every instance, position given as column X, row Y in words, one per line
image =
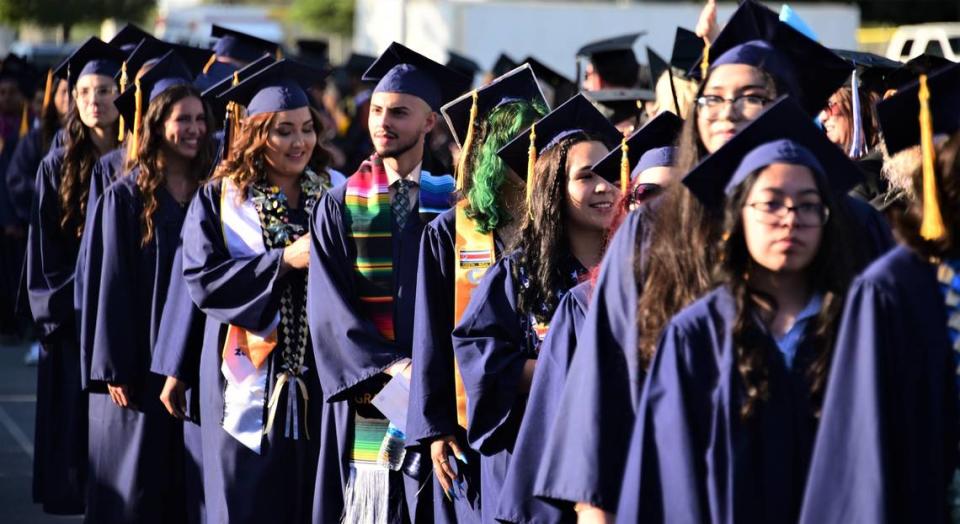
column 392, row 449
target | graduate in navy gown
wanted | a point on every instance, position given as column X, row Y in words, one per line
column 245, row 256
column 887, row 446
column 56, row 225
column 487, row 218
column 498, row 339
column 725, row 425
column 366, row 244
column 233, row 51
column 136, row 448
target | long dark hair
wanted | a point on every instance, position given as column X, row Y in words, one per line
column 829, row 274
column 677, row 266
column 948, row 193
column 149, row 161
column 542, row 240
column 50, row 119
column 80, row 155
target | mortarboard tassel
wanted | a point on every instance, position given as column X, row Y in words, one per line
column 705, row 62
column 138, row 108
column 467, row 144
column 123, row 86
column 931, row 227
column 25, row 120
column 209, row 64
column 279, row 54
column 531, row 164
column 857, row 141
column 233, row 119
column 47, row 92
column 624, row 166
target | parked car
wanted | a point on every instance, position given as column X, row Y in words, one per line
column 938, row 39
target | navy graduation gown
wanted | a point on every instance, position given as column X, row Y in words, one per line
column 875, row 236
column 693, row 458
column 240, row 485
column 350, row 352
column 584, row 455
column 886, row 449
column 22, row 173
column 136, row 453
column 60, row 435
column 516, row 503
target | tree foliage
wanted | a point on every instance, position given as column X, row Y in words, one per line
column 332, row 16
column 67, row 13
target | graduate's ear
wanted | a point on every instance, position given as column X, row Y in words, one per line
column 431, row 122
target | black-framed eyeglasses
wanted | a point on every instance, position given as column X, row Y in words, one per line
column 808, row 214
column 713, row 104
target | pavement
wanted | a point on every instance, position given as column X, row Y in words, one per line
column 18, row 402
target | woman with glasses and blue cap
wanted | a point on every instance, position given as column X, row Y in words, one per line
column 56, row 227
column 730, row 406
column 456, row 249
column 886, row 450
column 136, row 448
column 363, row 279
column 245, row 261
column 499, row 336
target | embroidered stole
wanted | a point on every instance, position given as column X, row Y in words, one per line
column 474, row 253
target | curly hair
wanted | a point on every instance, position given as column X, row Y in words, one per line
column 150, row 146
column 843, row 97
column 542, row 241
column 830, row 273
column 948, row 193
column 80, row 155
column 247, row 151
column 487, row 170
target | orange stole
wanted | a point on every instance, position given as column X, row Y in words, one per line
column 257, row 349
column 474, row 253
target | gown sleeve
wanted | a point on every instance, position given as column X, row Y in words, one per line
column 433, row 409
column 584, row 457
column 180, row 336
column 488, row 347
column 232, row 290
column 348, row 348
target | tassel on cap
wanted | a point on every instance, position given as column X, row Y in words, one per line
column 705, row 62
column 931, row 227
column 138, row 109
column 857, row 142
column 233, row 120
column 47, row 92
column 122, row 133
column 467, row 144
column 209, row 64
column 25, row 120
column 624, row 166
column 279, row 54
column 531, row 164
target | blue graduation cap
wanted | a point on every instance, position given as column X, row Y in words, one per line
column 913, row 68
column 128, row 37
column 280, row 86
column 755, row 36
column 687, row 49
column 241, row 46
column 656, row 138
column 314, row 51
column 211, row 95
column 94, row 57
column 613, row 59
column 576, row 115
column 402, row 70
column 194, row 58
column 170, row 70
column 784, row 133
column 463, row 64
column 503, row 65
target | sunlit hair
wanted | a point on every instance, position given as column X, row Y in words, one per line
column 487, row 170
column 868, row 114
column 686, row 91
column 149, row 156
column 829, row 274
column 948, row 193
column 244, row 165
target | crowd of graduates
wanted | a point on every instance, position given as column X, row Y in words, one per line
column 721, row 287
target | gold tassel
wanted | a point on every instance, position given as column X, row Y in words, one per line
column 467, row 144
column 624, row 166
column 25, row 120
column 931, row 228
column 47, row 92
column 209, row 64
column 123, row 86
column 279, row 54
column 138, row 109
column 705, row 63
column 234, row 109
column 531, row 164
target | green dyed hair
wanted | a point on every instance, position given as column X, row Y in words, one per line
column 487, row 170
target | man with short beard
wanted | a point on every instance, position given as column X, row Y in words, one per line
column 362, row 283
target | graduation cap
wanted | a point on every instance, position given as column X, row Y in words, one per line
column 868, row 72
column 94, row 57
column 357, row 64
column 503, row 65
column 195, row 58
column 656, row 138
column 280, row 86
column 241, row 46
column 128, row 37
column 784, row 133
column 402, row 70
column 19, row 71
column 928, row 106
column 463, row 64
column 563, row 88
column 613, row 59
column 756, row 36
column 212, row 94
column 687, row 49
column 913, row 68
column 621, row 104
column 314, row 51
column 576, row 115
